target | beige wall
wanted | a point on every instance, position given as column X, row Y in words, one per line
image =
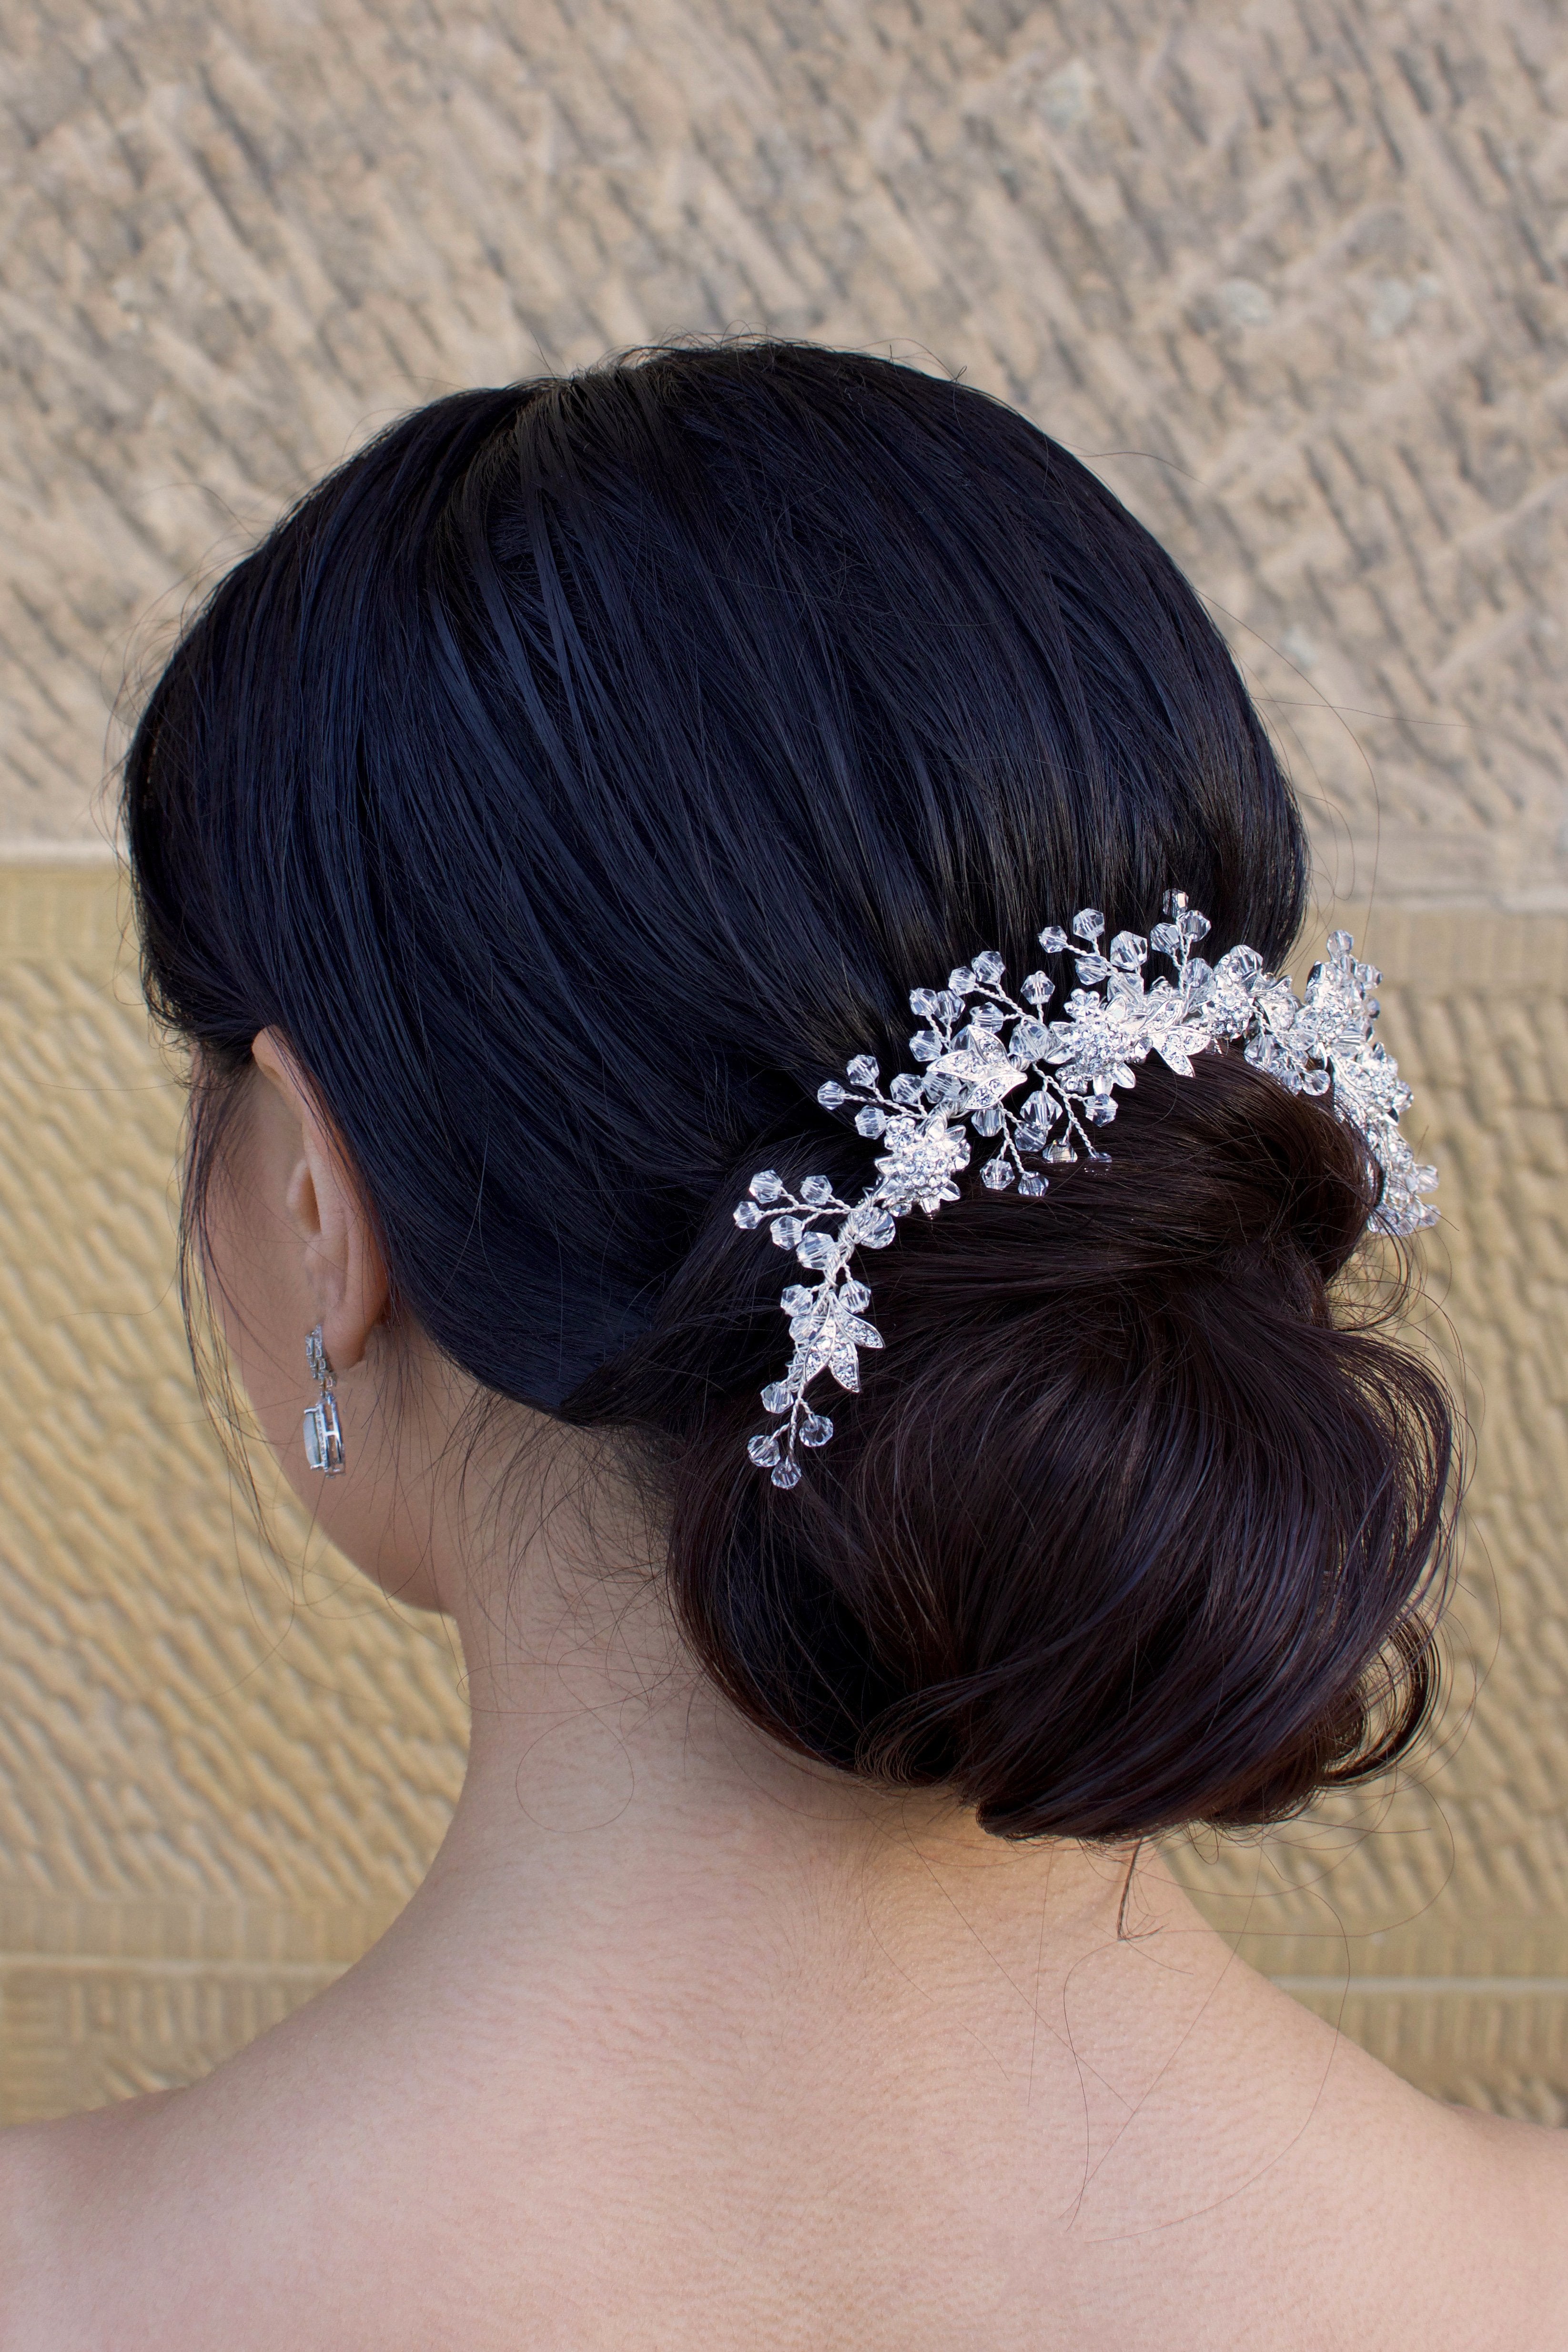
column 1291, row 275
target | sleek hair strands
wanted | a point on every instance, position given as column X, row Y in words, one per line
column 581, row 773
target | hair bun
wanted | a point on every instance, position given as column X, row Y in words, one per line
column 1125, row 1529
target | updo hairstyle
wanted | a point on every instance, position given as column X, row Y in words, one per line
column 588, row 768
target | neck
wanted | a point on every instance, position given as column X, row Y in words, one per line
column 619, row 1815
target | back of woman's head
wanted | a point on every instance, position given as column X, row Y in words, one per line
column 589, row 768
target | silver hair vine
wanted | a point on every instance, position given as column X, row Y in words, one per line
column 978, row 1046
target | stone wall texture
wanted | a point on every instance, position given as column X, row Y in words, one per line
column 1291, row 275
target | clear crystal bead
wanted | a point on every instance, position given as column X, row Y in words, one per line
column 763, row 1451
column 925, row 1002
column 1173, row 902
column 908, row 1089
column 748, row 1216
column 949, row 1007
column 1054, row 939
column 870, row 1228
column 1100, row 1110
column 1039, row 989
column 798, row 1300
column 817, row 1191
column 1165, row 939
column 1034, row 1185
column 987, row 1018
column 830, row 1094
column 817, row 1250
column 871, row 1121
column 1316, row 1082
column 1030, row 1039
column 997, row 1173
column 787, row 1475
column 987, row 1122
column 1192, row 925
column 927, row 1043
column 786, row 1232
column 1062, row 1154
column 989, row 968
column 1032, row 1137
column 1088, row 923
column 961, row 979
column 765, row 1186
column 855, row 1296
column 1093, row 969
column 815, row 1429
column 863, row 1071
column 776, row 1397
column 1129, row 949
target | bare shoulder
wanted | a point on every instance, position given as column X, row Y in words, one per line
column 58, row 2193
column 1471, row 2210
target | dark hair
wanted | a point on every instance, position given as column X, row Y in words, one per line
column 589, row 767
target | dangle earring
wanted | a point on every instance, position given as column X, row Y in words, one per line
column 323, row 1430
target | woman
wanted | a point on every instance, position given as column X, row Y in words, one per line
column 525, row 837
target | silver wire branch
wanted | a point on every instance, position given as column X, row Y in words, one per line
column 979, row 1046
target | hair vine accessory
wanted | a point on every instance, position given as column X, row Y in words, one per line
column 978, row 1046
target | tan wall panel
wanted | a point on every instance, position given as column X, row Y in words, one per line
column 222, row 1769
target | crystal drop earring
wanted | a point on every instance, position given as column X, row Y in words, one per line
column 323, row 1430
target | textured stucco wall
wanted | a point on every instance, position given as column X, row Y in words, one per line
column 1291, row 275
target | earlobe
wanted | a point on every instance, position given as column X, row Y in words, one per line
column 343, row 1256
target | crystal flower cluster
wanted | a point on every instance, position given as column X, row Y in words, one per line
column 992, row 1066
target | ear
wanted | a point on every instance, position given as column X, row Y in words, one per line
column 343, row 1263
